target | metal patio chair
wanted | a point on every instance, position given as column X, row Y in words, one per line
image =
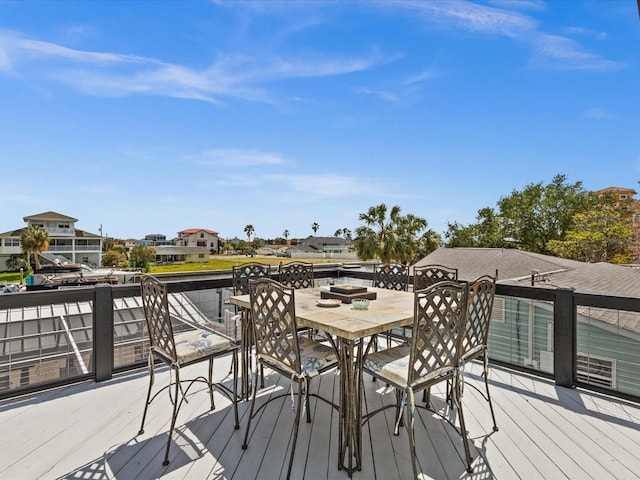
column 296, row 274
column 241, row 276
column 392, row 276
column 426, row 275
column 431, row 357
column 474, row 344
column 281, row 349
column 179, row 344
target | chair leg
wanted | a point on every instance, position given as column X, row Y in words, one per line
column 457, row 400
column 410, row 427
column 176, row 403
column 146, row 403
column 296, row 426
column 306, row 401
column 253, row 403
column 210, row 379
column 486, row 384
column 234, row 365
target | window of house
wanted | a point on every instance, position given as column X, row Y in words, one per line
column 497, row 313
column 636, row 219
column 201, row 255
column 11, row 242
column 201, row 235
column 623, row 196
column 600, row 371
column 63, row 225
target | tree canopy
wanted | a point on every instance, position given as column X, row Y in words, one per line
column 602, row 233
column 393, row 238
column 34, row 240
column 529, row 218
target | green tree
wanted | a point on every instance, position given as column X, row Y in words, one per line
column 603, row 233
column 141, row 256
column 107, row 244
column 114, row 258
column 16, row 262
column 529, row 218
column 315, row 226
column 541, row 213
column 338, row 233
column 249, row 230
column 34, row 241
column 392, row 238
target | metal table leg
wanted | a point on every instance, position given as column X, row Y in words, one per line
column 351, row 389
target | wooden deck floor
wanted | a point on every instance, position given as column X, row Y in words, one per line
column 88, row 431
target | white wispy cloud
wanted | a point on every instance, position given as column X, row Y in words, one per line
column 566, row 54
column 237, row 158
column 387, row 96
column 112, row 74
column 598, row 114
column 550, row 51
column 326, row 185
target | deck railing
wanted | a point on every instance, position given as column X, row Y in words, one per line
column 51, row 338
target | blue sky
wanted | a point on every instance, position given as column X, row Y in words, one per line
column 154, row 117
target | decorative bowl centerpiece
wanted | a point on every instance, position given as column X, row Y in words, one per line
column 360, row 303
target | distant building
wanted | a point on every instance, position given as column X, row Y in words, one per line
column 199, row 237
column 154, row 239
column 66, row 242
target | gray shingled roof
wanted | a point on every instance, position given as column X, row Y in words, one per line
column 515, row 267
column 510, row 263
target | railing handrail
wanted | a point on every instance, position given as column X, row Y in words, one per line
column 565, row 302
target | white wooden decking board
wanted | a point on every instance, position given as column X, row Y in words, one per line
column 523, row 455
column 68, row 433
column 600, row 444
column 570, row 415
column 493, row 462
column 561, row 430
column 376, row 436
column 76, row 420
column 324, row 432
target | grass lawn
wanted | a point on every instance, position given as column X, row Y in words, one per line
column 217, row 262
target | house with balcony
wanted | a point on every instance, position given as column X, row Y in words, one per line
column 65, row 240
column 199, row 237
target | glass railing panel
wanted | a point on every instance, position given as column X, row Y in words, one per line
column 609, row 349
column 521, row 333
column 44, row 344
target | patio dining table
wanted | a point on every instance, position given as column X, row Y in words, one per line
column 351, row 329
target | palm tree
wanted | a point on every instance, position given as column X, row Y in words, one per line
column 389, row 239
column 315, row 226
column 34, row 241
column 347, row 233
column 285, row 234
column 338, row 232
column 249, row 231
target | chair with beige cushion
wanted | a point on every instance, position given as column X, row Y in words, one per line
column 179, row 344
column 431, row 357
column 281, row 349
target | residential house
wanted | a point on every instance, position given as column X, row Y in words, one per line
column 178, row 254
column 530, row 322
column 323, row 247
column 199, row 237
column 66, row 242
column 154, row 239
